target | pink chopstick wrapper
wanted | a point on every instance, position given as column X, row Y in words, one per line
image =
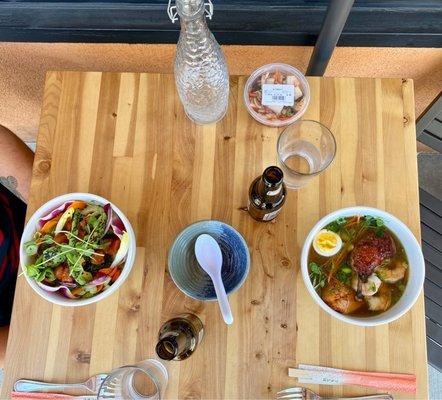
column 39, row 396
column 379, row 380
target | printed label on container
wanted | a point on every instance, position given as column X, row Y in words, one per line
column 271, row 215
column 278, row 95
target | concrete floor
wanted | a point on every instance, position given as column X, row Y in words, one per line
column 23, row 67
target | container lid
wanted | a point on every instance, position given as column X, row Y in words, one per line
column 276, row 94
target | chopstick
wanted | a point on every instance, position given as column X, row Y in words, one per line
column 331, row 376
column 295, row 372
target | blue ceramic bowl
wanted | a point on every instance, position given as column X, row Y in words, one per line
column 190, row 278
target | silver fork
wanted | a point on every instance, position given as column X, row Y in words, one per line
column 27, row 385
column 303, row 393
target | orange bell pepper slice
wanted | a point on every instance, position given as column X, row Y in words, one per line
column 78, row 204
column 116, row 274
column 113, row 247
column 77, row 291
column 106, row 271
column 50, row 225
column 113, row 272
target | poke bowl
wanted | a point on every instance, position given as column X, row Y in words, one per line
column 363, row 266
column 277, row 94
column 77, row 249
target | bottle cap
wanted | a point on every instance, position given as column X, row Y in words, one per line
column 189, row 9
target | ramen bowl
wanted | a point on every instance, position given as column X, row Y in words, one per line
column 416, row 269
column 190, row 278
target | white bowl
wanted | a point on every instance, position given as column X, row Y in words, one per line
column 415, row 259
column 32, row 226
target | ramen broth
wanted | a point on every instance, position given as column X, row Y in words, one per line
column 336, row 278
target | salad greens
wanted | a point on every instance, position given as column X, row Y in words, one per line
column 78, row 249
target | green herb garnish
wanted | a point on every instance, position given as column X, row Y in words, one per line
column 337, row 224
column 375, row 223
column 317, row 276
column 344, row 274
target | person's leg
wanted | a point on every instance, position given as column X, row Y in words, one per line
column 15, row 175
column 15, row 164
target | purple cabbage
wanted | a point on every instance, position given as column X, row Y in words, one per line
column 118, row 227
column 59, row 210
column 113, row 221
column 108, row 210
column 64, row 289
column 67, row 293
column 101, row 280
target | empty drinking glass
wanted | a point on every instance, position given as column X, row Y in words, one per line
column 305, row 149
column 144, row 380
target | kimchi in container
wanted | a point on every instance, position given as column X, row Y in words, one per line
column 277, row 94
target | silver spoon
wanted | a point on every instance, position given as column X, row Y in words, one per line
column 210, row 258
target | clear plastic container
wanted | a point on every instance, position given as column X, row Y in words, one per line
column 277, row 114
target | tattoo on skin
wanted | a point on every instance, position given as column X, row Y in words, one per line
column 10, row 183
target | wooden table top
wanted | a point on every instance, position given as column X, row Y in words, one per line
column 126, row 137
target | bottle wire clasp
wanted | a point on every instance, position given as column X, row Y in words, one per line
column 173, row 13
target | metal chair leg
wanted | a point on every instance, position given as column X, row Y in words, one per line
column 337, row 13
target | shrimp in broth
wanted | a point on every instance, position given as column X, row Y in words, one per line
column 358, row 266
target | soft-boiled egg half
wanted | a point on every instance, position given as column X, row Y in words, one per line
column 327, row 243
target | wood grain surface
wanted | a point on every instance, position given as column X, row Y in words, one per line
column 126, row 137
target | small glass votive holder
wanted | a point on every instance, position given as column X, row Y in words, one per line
column 305, row 149
column 144, row 380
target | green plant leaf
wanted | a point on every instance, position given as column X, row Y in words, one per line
column 341, row 221
column 317, row 275
column 32, row 271
column 333, row 226
column 49, row 274
column 31, row 248
column 315, row 268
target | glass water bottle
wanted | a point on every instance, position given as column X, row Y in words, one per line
column 201, row 74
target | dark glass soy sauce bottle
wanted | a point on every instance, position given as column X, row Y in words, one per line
column 267, row 195
column 179, row 337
